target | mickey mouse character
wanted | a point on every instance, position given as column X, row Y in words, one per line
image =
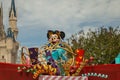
column 55, row 36
column 54, row 52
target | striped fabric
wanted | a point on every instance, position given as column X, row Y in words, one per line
column 62, row 78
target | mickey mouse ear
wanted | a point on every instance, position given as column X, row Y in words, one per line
column 56, row 31
column 62, row 35
column 49, row 33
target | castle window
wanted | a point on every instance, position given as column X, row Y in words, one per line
column 3, row 57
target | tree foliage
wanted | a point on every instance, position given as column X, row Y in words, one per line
column 103, row 44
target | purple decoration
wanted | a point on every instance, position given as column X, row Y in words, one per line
column 52, row 62
column 33, row 55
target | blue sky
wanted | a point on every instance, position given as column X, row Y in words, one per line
column 36, row 17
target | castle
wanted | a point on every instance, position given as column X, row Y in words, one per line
column 8, row 41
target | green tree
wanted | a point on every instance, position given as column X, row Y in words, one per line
column 103, row 44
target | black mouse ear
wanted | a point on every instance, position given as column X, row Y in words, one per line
column 57, row 32
column 62, row 35
column 49, row 33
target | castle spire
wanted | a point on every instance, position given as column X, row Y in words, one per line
column 13, row 19
column 2, row 32
column 12, row 8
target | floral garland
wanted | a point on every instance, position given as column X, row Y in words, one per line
column 37, row 70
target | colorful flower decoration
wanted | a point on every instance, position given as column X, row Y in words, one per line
column 38, row 69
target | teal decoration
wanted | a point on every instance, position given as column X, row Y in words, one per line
column 59, row 54
column 62, row 72
column 117, row 59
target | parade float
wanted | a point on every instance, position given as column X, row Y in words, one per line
column 56, row 60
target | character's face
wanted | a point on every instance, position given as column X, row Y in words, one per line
column 54, row 38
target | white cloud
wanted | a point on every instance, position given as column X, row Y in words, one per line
column 67, row 15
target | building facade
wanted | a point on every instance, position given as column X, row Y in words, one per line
column 8, row 40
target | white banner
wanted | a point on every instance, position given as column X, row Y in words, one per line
column 48, row 77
